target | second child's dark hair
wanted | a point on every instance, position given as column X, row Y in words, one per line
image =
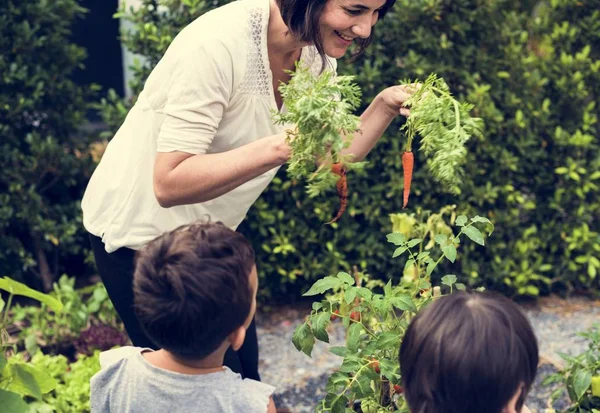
column 302, row 18
column 192, row 288
column 468, row 353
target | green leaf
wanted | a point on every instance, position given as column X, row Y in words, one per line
column 338, row 351
column 362, row 387
column 303, row 339
column 449, row 251
column 42, row 378
column 12, row 402
column 21, row 381
column 424, row 284
column 581, row 383
column 449, row 280
column 477, row 218
column 323, row 285
column 345, row 278
column 364, row 293
column 339, row 405
column 474, row 234
column 396, row 238
column 399, row 251
column 461, row 220
column 561, row 170
column 353, row 337
column 387, row 289
column 350, row 364
column 404, row 302
column 389, row 368
column 319, row 326
column 441, row 238
column 388, row 340
column 414, row 242
column 350, row 295
column 16, row 288
column 1, row 304
column 430, row 267
column 423, row 255
column 460, row 287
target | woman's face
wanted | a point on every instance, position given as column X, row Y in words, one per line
column 343, row 21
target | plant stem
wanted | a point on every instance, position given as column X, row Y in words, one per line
column 5, row 316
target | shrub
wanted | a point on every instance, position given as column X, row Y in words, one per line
column 533, row 73
column 45, row 163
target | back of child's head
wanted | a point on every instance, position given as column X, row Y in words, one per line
column 468, row 353
column 192, row 288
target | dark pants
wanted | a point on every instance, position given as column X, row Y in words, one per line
column 116, row 270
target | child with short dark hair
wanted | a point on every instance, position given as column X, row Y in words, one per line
column 195, row 295
column 469, row 353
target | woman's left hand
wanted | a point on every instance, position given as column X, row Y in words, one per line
column 394, row 98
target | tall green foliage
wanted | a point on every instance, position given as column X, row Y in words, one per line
column 532, row 71
column 43, row 160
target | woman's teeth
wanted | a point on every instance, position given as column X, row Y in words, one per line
column 344, row 37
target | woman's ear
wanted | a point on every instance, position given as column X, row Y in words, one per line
column 237, row 337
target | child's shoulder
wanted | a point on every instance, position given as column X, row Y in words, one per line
column 113, row 363
column 115, row 355
column 252, row 394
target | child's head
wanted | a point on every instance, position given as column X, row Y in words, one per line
column 195, row 289
column 468, row 353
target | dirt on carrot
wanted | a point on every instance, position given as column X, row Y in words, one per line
column 342, row 189
column 408, row 162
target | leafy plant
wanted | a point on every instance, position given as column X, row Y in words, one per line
column 580, row 376
column 57, row 331
column 320, row 109
column 444, row 125
column 72, row 392
column 375, row 322
column 18, row 379
column 43, row 152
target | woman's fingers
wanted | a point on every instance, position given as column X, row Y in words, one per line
column 405, row 112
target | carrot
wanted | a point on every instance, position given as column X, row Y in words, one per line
column 408, row 161
column 342, row 189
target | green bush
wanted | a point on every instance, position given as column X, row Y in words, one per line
column 531, row 69
column 85, row 311
column 72, row 392
column 45, row 164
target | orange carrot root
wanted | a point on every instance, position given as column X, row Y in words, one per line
column 408, row 162
column 342, row 189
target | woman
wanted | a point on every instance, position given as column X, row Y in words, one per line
column 200, row 141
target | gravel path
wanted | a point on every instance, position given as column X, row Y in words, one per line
column 301, row 380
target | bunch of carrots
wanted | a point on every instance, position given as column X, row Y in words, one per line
column 325, row 126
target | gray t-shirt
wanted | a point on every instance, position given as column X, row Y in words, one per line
column 128, row 383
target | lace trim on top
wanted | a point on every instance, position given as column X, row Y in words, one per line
column 256, row 78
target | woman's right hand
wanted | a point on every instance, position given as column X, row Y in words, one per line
column 281, row 147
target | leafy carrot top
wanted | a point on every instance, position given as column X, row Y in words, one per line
column 444, row 125
column 320, row 110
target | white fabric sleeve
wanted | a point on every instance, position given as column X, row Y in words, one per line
column 257, row 395
column 109, row 357
column 198, row 95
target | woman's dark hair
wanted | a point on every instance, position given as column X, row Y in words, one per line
column 302, row 18
column 468, row 353
column 192, row 288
